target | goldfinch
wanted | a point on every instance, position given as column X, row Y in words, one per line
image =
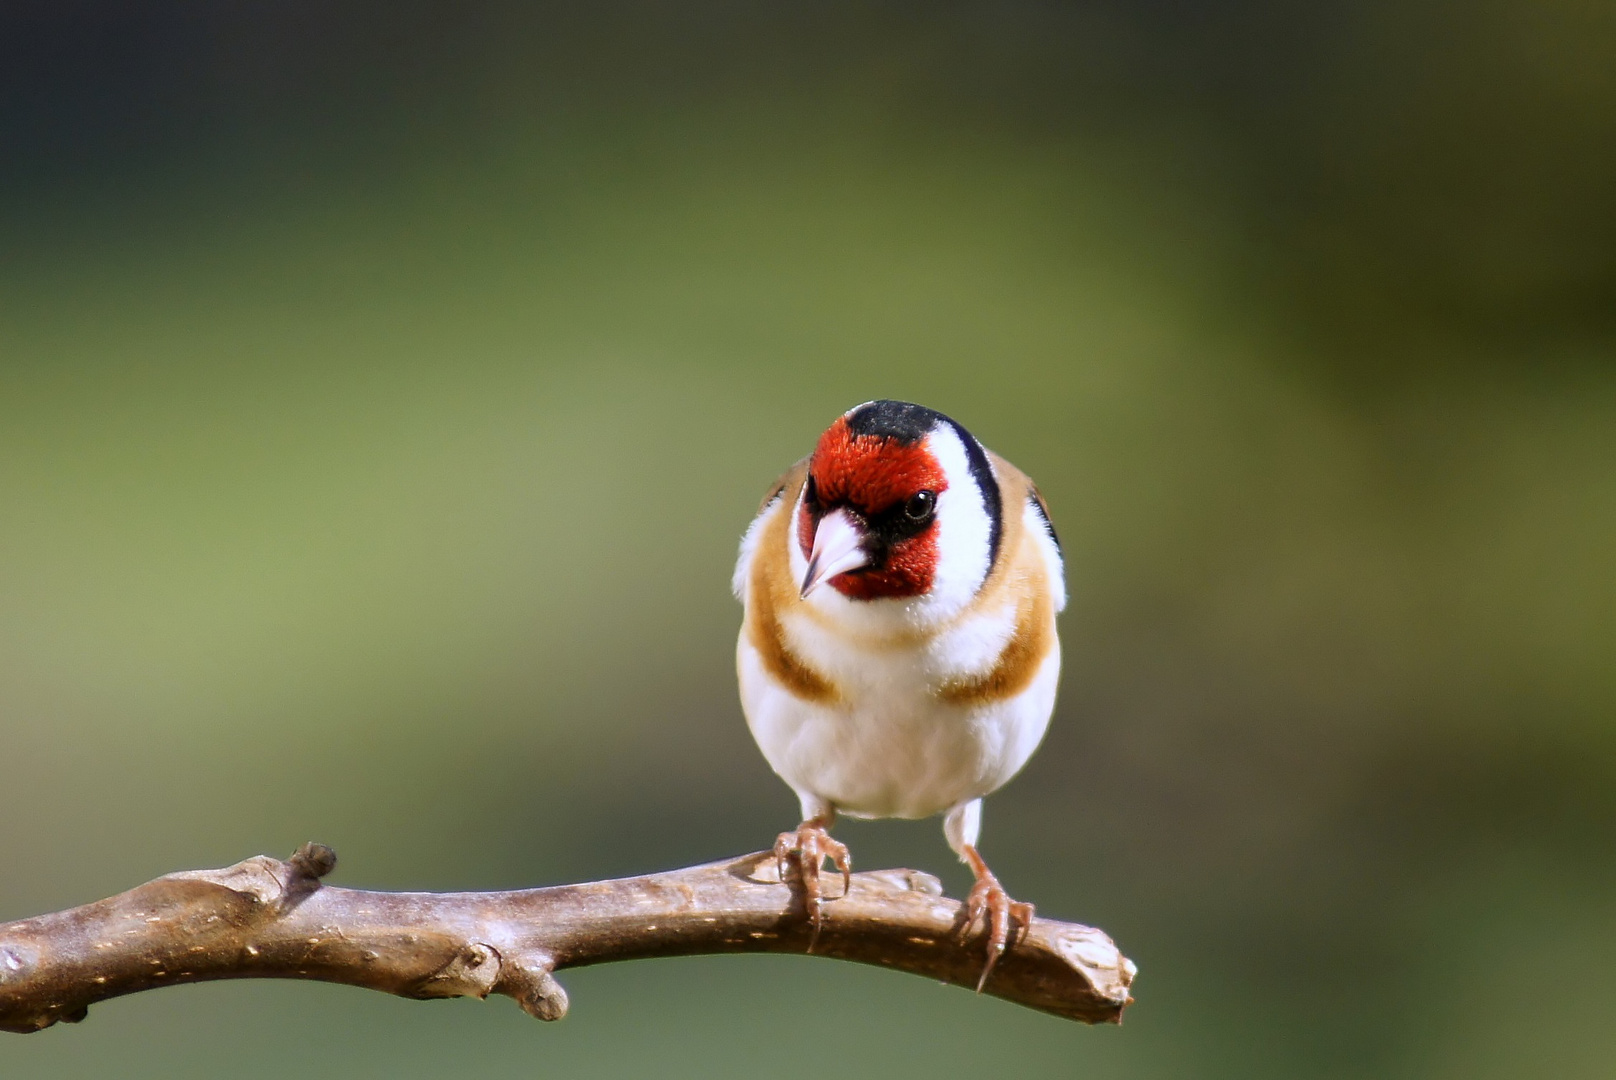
column 898, row 655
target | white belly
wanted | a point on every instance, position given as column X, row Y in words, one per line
column 888, row 747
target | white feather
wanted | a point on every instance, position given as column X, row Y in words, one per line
column 749, row 543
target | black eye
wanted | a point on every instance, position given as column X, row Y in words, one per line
column 810, row 493
column 920, row 505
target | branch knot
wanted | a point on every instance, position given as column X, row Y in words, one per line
column 533, row 986
column 471, row 972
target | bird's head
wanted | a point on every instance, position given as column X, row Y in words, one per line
column 900, row 503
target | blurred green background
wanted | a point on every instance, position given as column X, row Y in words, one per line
column 384, row 389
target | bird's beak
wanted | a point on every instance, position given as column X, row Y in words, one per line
column 838, row 548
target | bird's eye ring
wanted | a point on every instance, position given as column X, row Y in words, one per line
column 920, row 505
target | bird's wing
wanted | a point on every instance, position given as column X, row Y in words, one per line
column 1021, row 500
column 788, row 483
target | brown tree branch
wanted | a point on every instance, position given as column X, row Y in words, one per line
column 268, row 919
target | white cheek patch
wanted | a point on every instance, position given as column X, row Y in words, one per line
column 964, row 530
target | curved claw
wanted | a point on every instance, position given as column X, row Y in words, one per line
column 999, row 915
column 807, row 847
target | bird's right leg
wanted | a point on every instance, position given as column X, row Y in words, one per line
column 987, row 900
column 807, row 847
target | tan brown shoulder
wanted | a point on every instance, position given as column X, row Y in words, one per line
column 1009, row 476
column 1016, row 491
column 771, row 590
column 787, row 484
column 1030, row 642
column 1019, row 576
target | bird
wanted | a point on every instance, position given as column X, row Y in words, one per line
column 898, row 654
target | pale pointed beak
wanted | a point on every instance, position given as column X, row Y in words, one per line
column 838, row 548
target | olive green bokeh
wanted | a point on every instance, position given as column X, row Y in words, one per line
column 378, row 482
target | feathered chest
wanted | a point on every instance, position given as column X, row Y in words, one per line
column 909, row 669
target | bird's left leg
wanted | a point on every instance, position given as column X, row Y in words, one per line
column 987, row 901
column 808, row 846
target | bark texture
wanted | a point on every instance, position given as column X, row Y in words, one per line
column 266, row 918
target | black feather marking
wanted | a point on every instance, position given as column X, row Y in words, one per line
column 900, row 421
column 986, row 483
column 1042, row 507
